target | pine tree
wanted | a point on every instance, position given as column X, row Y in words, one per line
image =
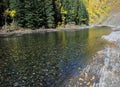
column 29, row 14
column 20, row 9
column 13, row 4
column 49, row 13
column 81, row 16
column 2, row 8
column 57, row 12
column 76, row 11
column 4, row 4
column 35, row 13
column 38, row 13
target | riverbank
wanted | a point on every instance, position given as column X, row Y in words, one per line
column 109, row 59
column 110, row 72
column 22, row 31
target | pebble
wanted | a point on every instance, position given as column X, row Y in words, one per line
column 16, row 84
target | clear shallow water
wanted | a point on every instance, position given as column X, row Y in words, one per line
column 47, row 59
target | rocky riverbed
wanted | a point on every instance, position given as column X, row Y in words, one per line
column 104, row 70
column 110, row 72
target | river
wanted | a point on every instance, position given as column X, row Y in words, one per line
column 48, row 59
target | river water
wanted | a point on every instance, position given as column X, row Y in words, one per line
column 49, row 59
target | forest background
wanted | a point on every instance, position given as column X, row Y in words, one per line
column 54, row 13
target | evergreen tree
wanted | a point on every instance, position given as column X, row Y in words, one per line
column 70, row 7
column 49, row 13
column 57, row 13
column 4, row 4
column 29, row 13
column 20, row 9
column 13, row 4
column 35, row 13
column 39, row 14
column 82, row 13
column 76, row 11
column 2, row 8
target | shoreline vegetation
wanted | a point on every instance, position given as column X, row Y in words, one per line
column 51, row 14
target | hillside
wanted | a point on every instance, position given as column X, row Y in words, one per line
column 114, row 16
column 106, row 11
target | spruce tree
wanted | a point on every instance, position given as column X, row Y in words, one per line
column 2, row 8
column 4, row 4
column 49, row 13
column 82, row 16
column 38, row 14
column 20, row 9
column 76, row 11
column 57, row 13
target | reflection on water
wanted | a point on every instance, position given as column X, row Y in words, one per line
column 47, row 59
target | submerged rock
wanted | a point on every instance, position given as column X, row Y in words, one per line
column 16, row 84
column 114, row 36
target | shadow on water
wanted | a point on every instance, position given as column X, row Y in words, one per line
column 47, row 59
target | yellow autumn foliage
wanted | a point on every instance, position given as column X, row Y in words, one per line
column 98, row 8
column 6, row 12
column 12, row 13
column 63, row 11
